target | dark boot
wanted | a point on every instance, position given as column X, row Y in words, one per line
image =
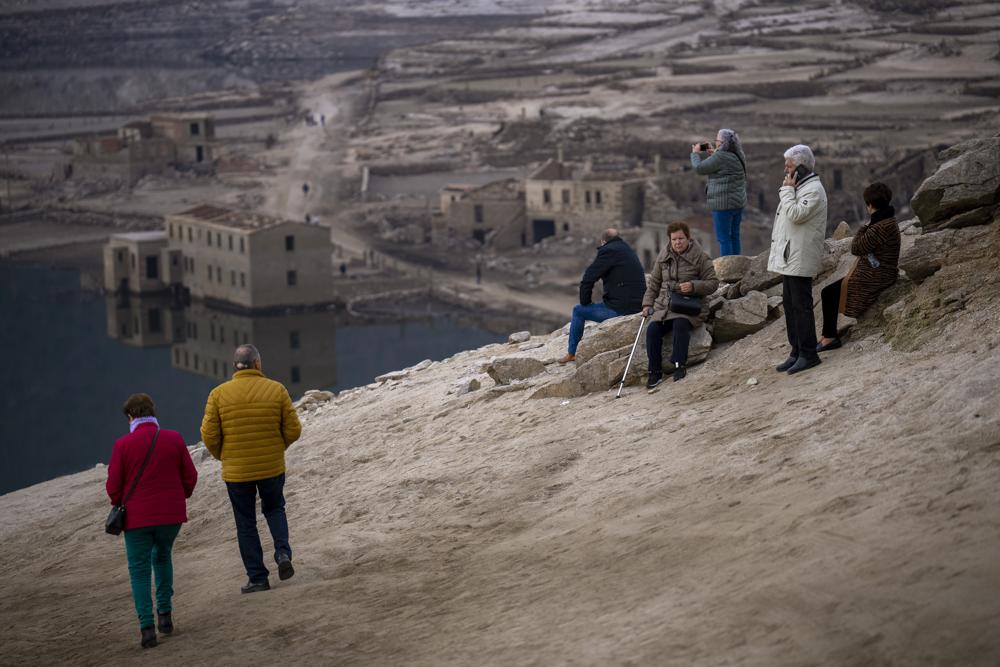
column 285, row 569
column 654, row 380
column 148, row 637
column 803, row 363
column 786, row 364
column 255, row 587
column 680, row 372
column 164, row 623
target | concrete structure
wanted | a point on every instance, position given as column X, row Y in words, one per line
column 491, row 214
column 452, row 193
column 563, row 199
column 252, row 261
column 143, row 148
column 141, row 263
column 297, row 349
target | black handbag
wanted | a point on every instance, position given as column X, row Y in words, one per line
column 683, row 304
column 115, row 523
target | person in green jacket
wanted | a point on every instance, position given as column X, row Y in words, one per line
column 726, row 168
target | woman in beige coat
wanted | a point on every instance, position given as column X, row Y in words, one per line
column 682, row 267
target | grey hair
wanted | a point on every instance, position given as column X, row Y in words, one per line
column 245, row 357
column 610, row 233
column 730, row 141
column 801, row 154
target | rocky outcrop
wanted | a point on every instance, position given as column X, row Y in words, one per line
column 930, row 252
column 701, row 344
column 757, row 277
column 509, row 369
column 965, row 190
column 608, row 335
column 740, row 317
column 519, row 337
column 731, row 268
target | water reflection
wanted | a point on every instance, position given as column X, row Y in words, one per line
column 298, row 348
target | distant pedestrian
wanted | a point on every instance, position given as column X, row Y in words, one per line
column 305, row 189
column 156, row 466
column 249, row 423
column 322, row 119
column 479, row 273
column 726, row 168
column 618, row 268
column 343, row 269
column 308, row 219
column 796, row 253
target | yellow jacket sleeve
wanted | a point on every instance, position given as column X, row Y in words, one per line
column 211, row 427
column 291, row 427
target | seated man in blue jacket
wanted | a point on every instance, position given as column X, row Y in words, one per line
column 624, row 280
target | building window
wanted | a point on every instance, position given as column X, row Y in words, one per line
column 222, row 334
column 209, row 267
column 586, row 197
column 194, row 330
column 232, row 277
column 154, row 320
column 192, row 265
column 547, row 196
column 230, row 242
column 177, row 356
column 477, row 212
column 218, row 274
column 838, row 179
column 218, row 239
column 190, row 236
column 215, row 367
column 195, row 130
column 565, row 226
column 196, row 362
column 565, row 197
column 296, row 375
column 289, row 242
column 597, row 198
column 173, row 260
column 211, row 331
column 152, row 267
column 170, row 229
column 242, row 248
column 243, row 279
column 187, row 360
column 293, row 340
column 208, row 238
column 133, row 260
column 292, row 278
column 121, row 257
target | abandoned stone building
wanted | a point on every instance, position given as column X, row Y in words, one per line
column 563, row 199
column 144, row 321
column 141, row 263
column 491, row 213
column 147, row 147
column 251, row 261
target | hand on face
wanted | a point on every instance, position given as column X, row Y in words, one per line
column 791, row 178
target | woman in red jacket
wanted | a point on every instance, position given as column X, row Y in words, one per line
column 155, row 510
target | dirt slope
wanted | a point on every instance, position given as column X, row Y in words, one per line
column 849, row 515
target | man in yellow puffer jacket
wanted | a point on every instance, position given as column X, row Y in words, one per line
column 249, row 423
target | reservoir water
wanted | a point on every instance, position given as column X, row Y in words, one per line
column 74, row 356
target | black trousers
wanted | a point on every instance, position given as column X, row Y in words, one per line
column 681, row 332
column 800, row 323
column 830, row 296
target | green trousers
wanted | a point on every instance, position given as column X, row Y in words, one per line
column 148, row 549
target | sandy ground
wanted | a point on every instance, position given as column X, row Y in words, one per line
column 844, row 516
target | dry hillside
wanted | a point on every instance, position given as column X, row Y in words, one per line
column 844, row 516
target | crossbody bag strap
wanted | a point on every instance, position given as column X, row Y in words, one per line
column 149, row 453
column 746, row 176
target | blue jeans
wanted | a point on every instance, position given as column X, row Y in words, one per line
column 727, row 230
column 243, row 496
column 593, row 312
column 148, row 549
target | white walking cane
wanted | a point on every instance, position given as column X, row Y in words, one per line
column 629, row 362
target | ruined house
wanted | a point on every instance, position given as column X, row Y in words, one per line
column 564, row 199
column 490, row 214
column 147, row 147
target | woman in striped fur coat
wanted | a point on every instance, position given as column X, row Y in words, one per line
column 877, row 248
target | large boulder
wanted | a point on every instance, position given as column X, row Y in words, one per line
column 740, row 317
column 608, row 335
column 595, row 375
column 930, row 252
column 698, row 349
column 758, row 278
column 507, row 369
column 565, row 387
column 731, row 268
column 964, row 191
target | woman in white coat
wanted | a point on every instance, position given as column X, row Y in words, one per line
column 796, row 252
